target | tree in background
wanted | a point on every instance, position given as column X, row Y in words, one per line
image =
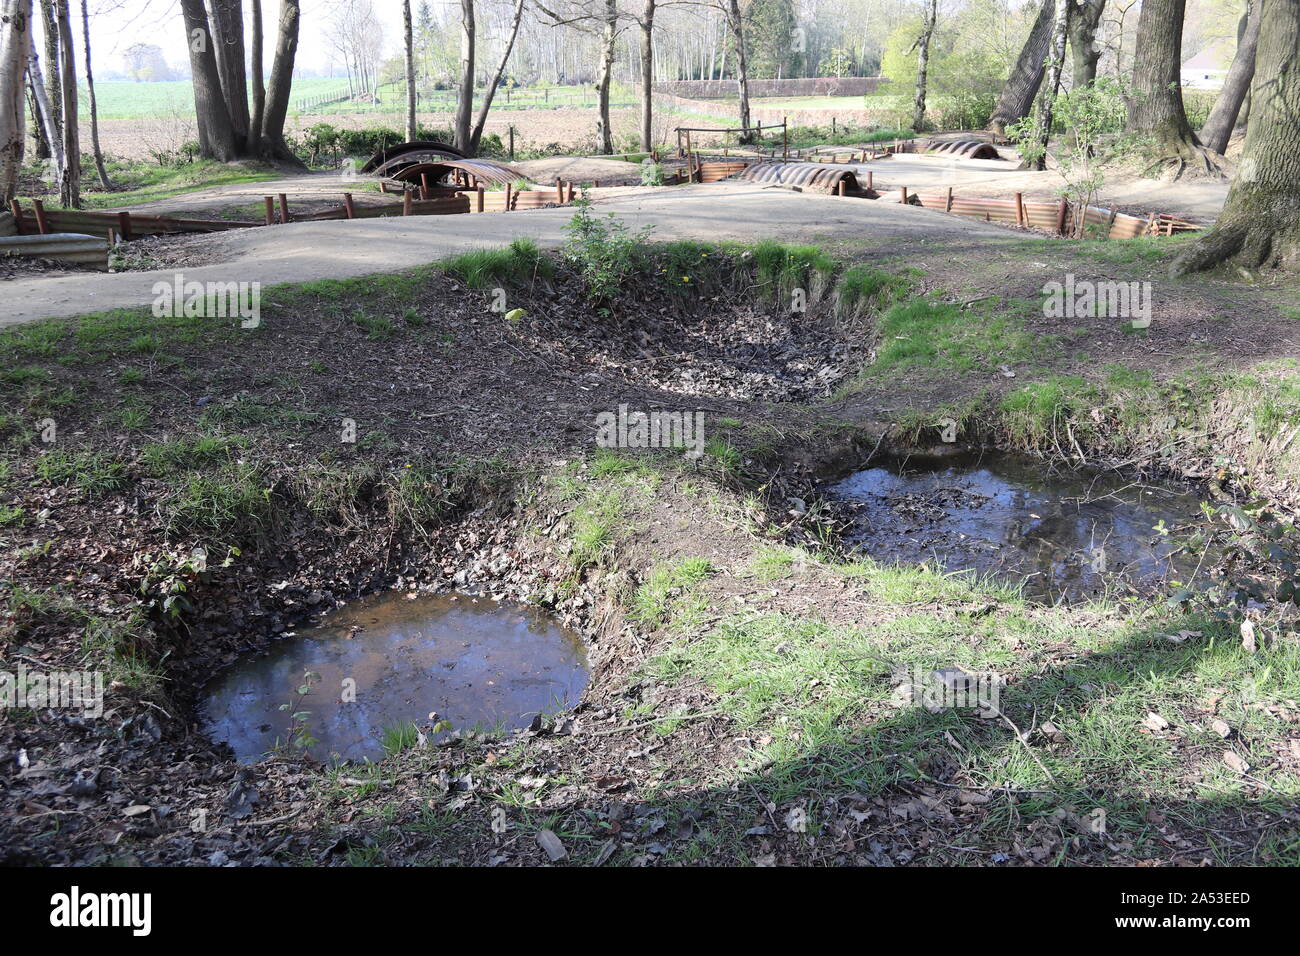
column 94, row 109
column 465, row 92
column 1085, row 17
column 1026, row 76
column 408, row 36
column 1260, row 222
column 15, row 40
column 476, row 135
column 771, row 24
column 1218, row 127
column 922, row 47
column 1156, row 110
column 70, row 177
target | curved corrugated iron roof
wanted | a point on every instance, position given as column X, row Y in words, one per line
column 966, row 149
column 416, row 151
column 807, row 175
column 484, row 170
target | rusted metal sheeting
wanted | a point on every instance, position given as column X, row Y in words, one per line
column 966, row 149
column 716, row 171
column 386, row 161
column 806, row 175
column 483, row 170
column 60, row 246
column 1047, row 215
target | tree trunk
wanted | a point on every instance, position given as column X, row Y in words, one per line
column 94, row 110
column 277, row 93
column 70, row 178
column 42, row 102
column 1085, row 15
column 15, row 40
column 227, row 22
column 648, row 74
column 490, row 92
column 1155, row 111
column 409, row 35
column 1217, row 130
column 53, row 78
column 607, row 40
column 742, row 66
column 256, row 68
column 923, row 65
column 1055, row 64
column 1260, row 222
column 216, row 136
column 465, row 99
column 1018, row 94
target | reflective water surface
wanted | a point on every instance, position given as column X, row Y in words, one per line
column 1065, row 534
column 387, row 660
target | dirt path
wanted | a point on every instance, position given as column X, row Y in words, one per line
column 986, row 178
column 305, row 251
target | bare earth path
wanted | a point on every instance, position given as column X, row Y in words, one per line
column 305, row 251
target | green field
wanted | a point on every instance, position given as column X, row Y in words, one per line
column 124, row 99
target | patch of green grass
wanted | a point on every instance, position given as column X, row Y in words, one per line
column 728, row 457
column 120, row 646
column 652, row 601
column 175, row 455
column 928, row 333
column 595, row 529
column 510, row 267
column 1035, row 415
column 396, row 738
column 10, row 515
column 771, row 564
column 94, row 473
column 781, row 269
column 863, row 286
column 378, row 327
column 226, row 505
column 24, row 376
column 607, row 462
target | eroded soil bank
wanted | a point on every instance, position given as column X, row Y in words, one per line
column 202, row 499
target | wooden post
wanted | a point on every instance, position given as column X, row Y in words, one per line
column 284, row 208
column 785, row 137
column 871, row 179
column 1020, row 209
column 509, row 190
column 512, row 136
column 17, row 210
column 406, row 201
column 42, row 226
column 904, row 191
column 1062, row 208
column 947, row 203
column 124, row 225
column 839, row 188
column 688, row 145
column 348, row 209
column 478, row 200
column 424, row 185
column 269, row 204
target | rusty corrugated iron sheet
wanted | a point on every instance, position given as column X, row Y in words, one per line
column 966, row 149
column 805, row 175
column 1050, row 216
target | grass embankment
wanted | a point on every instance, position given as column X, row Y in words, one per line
column 756, row 681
